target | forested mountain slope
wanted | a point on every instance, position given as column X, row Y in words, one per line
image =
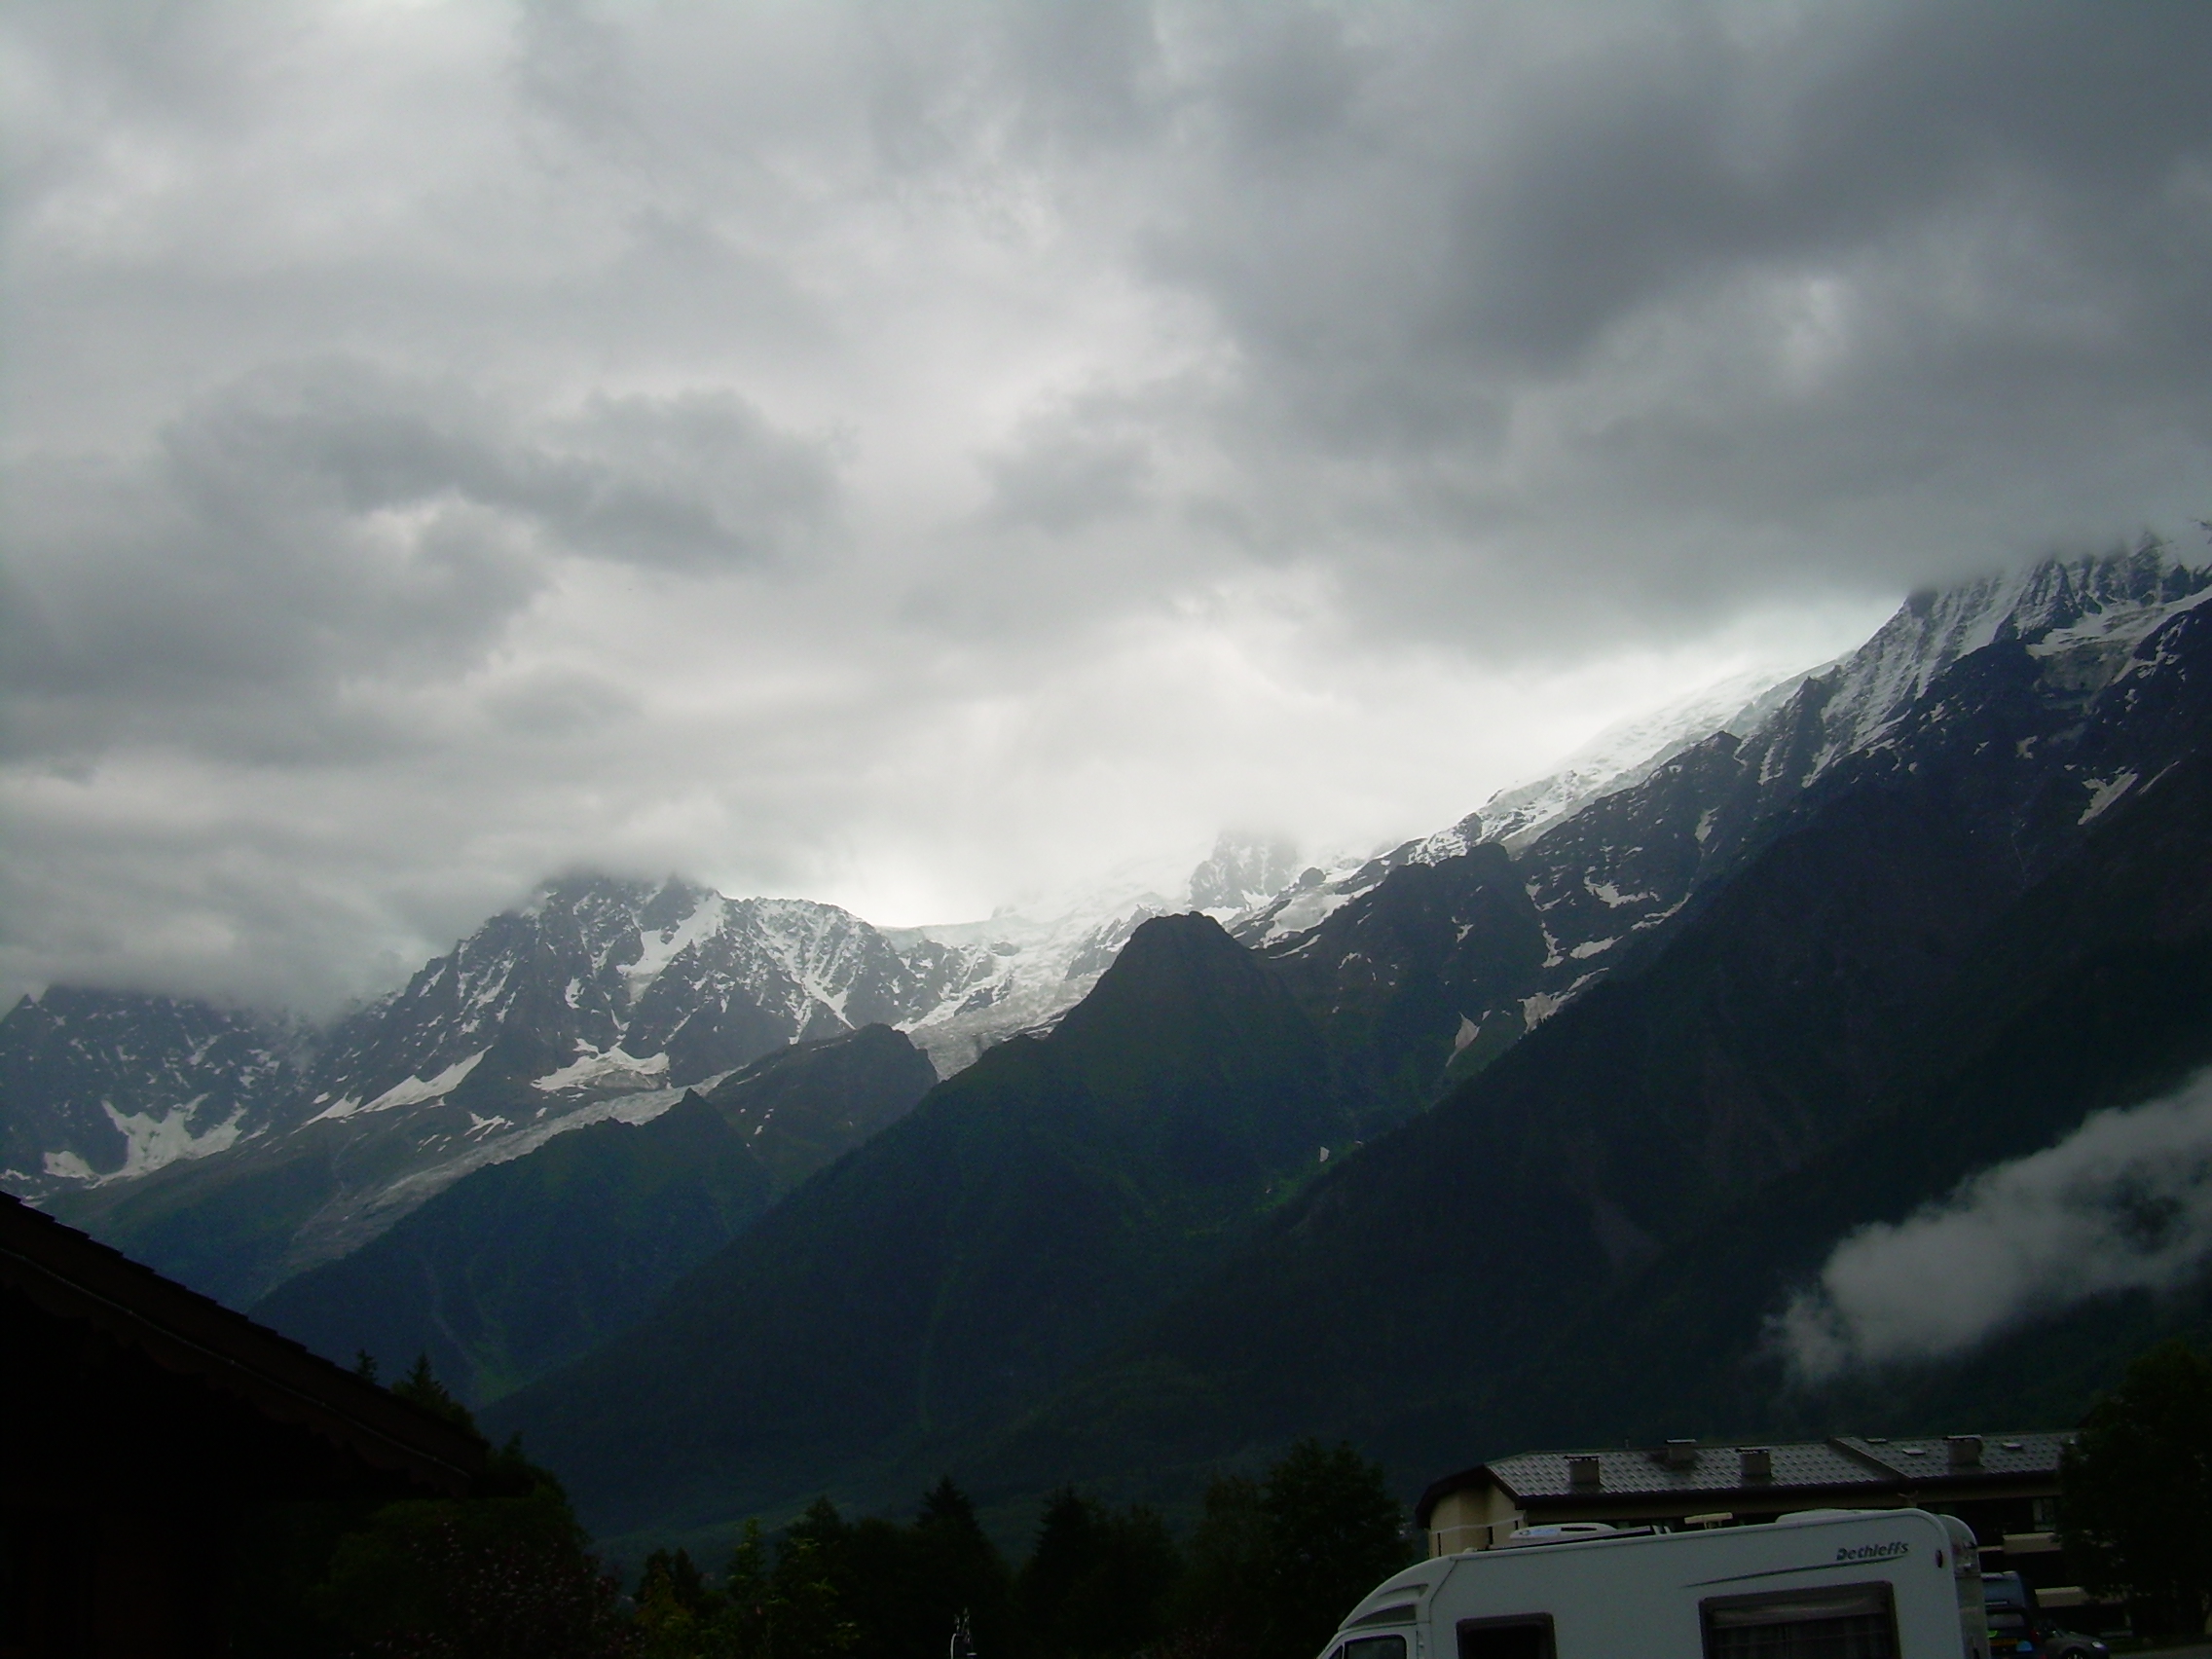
column 1678, row 1033
column 961, row 1262
column 1792, row 917
column 523, row 1266
column 1584, row 1241
column 2093, row 993
column 236, row 1151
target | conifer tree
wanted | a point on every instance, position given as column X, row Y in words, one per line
column 2135, row 1503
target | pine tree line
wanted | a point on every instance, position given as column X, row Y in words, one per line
column 1266, row 1572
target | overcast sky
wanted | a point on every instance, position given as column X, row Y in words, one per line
column 921, row 454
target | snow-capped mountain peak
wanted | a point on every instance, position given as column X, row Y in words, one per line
column 2097, row 605
column 607, row 997
column 1611, row 847
column 1241, row 871
column 1624, row 752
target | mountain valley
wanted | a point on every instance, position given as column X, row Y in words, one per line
column 1523, row 1131
column 522, row 1266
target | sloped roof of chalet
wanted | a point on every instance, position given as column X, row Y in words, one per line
column 1829, row 1466
column 77, row 1282
column 1718, row 1468
column 1919, row 1459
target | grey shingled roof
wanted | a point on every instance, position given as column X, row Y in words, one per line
column 1719, row 1468
column 1920, row 1459
column 1833, row 1467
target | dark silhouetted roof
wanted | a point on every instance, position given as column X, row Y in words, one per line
column 84, row 1319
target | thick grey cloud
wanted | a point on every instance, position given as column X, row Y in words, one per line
column 316, row 526
column 1710, row 297
column 2123, row 1203
column 916, row 454
column 1068, row 467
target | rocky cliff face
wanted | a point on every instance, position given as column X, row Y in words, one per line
column 1915, row 942
column 96, row 1082
column 599, row 1000
column 240, row 1149
column 1608, row 876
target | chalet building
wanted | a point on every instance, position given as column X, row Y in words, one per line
column 2004, row 1487
column 142, row 1419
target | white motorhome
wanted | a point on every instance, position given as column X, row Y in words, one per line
column 1827, row 1584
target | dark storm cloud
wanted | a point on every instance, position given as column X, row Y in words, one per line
column 571, row 66
column 1086, row 74
column 1067, row 468
column 695, row 481
column 979, row 441
column 313, row 525
column 1430, row 232
column 1509, row 227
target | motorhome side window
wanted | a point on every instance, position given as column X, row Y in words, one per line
column 1372, row 1647
column 1528, row 1636
column 1851, row 1621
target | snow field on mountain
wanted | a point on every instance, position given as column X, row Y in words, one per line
column 810, row 969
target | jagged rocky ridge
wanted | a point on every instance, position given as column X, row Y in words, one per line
column 1982, row 923
column 596, row 989
column 600, row 998
column 114, row 1082
column 613, row 995
column 1607, row 874
column 604, row 999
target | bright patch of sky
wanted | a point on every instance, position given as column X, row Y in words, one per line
column 939, row 458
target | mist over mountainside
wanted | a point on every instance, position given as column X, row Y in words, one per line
column 1800, row 925
column 1009, row 756
column 281, row 1147
column 1614, row 868
column 2092, row 993
column 1711, row 956
column 1984, row 925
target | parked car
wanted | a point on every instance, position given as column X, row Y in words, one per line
column 2019, row 1625
column 2069, row 1644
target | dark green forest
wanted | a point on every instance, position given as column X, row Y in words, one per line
column 1264, row 1571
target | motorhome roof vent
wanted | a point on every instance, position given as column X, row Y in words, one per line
column 1397, row 1612
column 1966, row 1451
column 1585, row 1471
column 1569, row 1533
column 1677, row 1454
column 1757, row 1461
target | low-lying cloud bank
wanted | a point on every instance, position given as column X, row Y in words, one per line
column 2123, row 1203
